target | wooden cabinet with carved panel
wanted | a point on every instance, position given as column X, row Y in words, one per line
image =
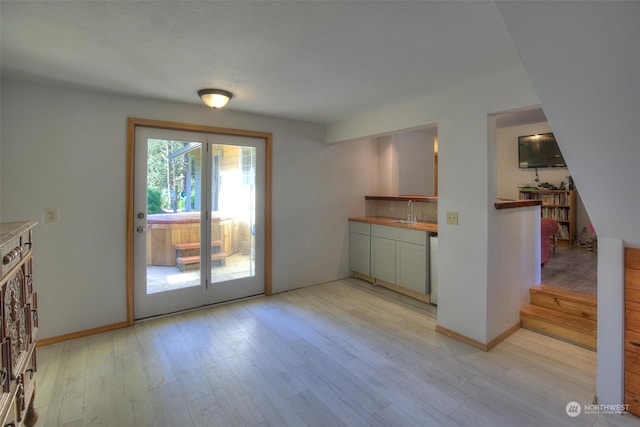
column 18, row 325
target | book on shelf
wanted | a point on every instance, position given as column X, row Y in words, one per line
column 558, row 205
column 559, row 214
column 547, row 199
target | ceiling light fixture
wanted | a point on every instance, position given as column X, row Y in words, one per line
column 215, row 98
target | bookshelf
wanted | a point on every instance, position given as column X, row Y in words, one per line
column 559, row 205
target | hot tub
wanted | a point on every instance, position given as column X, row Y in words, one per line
column 167, row 229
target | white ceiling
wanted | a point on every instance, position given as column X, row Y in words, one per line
column 317, row 61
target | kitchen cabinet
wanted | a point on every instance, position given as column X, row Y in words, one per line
column 400, row 257
column 411, row 266
column 383, row 259
column 360, row 247
column 391, row 254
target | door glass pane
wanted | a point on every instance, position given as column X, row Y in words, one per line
column 233, row 182
column 173, row 214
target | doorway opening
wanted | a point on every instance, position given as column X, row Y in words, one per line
column 189, row 184
column 573, row 263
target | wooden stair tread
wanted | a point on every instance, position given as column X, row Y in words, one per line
column 567, row 294
column 565, row 300
column 560, row 318
column 562, row 313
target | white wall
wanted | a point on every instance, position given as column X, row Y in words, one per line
column 461, row 115
column 416, row 163
column 583, row 60
column 510, row 176
column 581, row 56
column 514, row 254
column 66, row 149
column 388, row 164
column 405, row 163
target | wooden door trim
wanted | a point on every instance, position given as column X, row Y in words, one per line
column 132, row 123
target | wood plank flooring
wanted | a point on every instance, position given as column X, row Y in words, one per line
column 572, row 268
column 344, row 353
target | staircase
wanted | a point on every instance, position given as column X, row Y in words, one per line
column 562, row 313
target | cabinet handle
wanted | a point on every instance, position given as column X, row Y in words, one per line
column 13, row 253
column 11, row 424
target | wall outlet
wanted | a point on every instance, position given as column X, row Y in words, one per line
column 51, row 216
column 452, row 217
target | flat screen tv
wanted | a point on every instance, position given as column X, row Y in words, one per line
column 539, row 151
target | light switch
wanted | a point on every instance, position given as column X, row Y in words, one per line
column 452, row 217
column 51, row 215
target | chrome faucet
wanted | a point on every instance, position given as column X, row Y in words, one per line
column 410, row 216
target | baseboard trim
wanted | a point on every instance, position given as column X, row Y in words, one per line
column 408, row 292
column 477, row 344
column 80, row 334
column 497, row 340
column 364, row 277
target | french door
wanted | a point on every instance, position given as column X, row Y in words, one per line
column 198, row 226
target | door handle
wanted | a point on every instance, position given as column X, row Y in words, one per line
column 140, row 229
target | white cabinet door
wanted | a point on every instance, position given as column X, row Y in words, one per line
column 360, row 247
column 383, row 259
column 360, row 253
column 411, row 266
column 400, row 257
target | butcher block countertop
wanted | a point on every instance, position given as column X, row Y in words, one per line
column 405, row 198
column 428, row 227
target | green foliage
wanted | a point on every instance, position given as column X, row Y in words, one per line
column 168, row 173
column 154, row 201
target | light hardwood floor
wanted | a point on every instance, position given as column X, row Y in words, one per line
column 572, row 268
column 344, row 353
